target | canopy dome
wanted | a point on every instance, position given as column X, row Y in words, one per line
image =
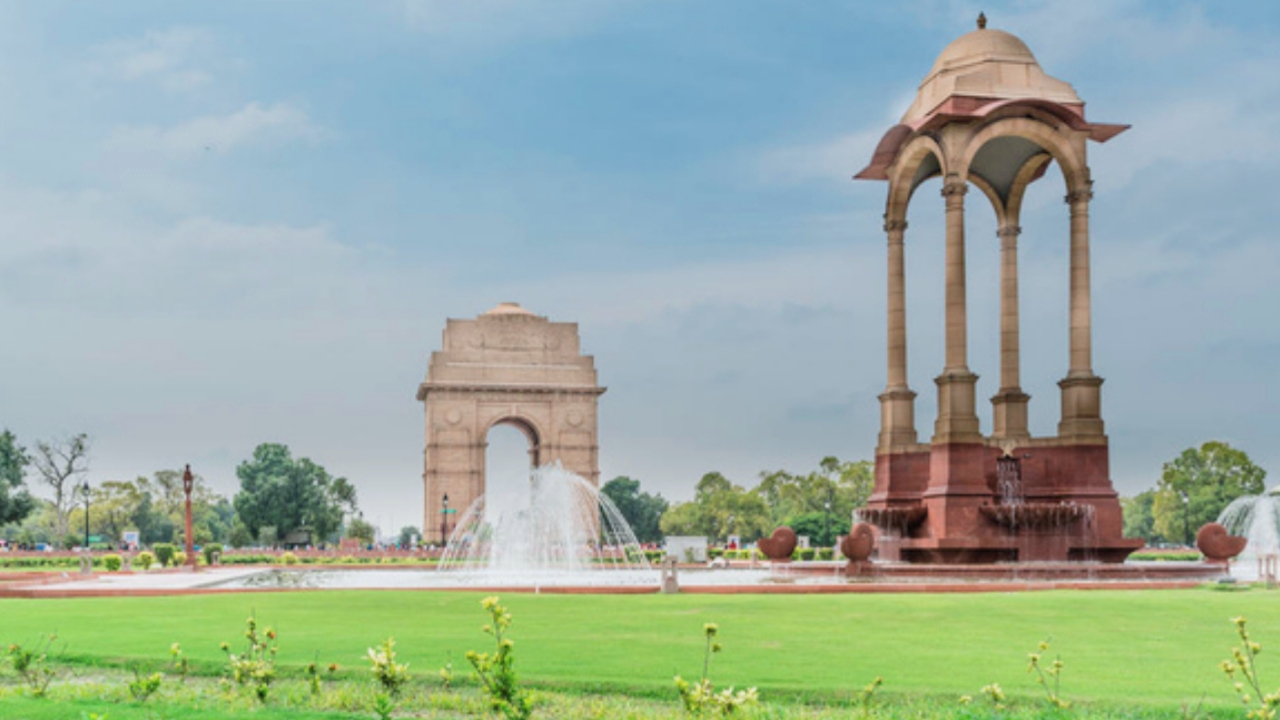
column 988, row 64
column 508, row 308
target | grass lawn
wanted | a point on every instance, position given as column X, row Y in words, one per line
column 1136, row 648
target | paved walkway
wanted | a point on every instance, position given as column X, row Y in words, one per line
column 167, row 582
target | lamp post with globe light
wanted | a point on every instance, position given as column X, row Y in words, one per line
column 188, row 483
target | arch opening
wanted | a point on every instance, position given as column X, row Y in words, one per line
column 511, row 452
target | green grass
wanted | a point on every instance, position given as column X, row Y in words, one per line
column 1157, row 649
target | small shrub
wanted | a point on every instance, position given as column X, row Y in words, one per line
column 446, row 674
column 391, row 675
column 32, row 665
column 209, row 550
column 256, row 666
column 142, row 687
column 496, row 670
column 1050, row 678
column 700, row 698
column 179, row 559
column 181, row 665
column 1243, row 663
column 164, row 553
column 112, row 563
column 383, row 707
column 288, row 558
column 314, row 677
column 144, row 560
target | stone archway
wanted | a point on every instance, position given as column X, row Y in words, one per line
column 507, row 366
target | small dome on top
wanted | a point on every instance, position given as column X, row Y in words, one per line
column 508, row 308
column 989, row 64
column 982, row 46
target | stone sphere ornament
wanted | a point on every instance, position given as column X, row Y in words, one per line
column 858, row 545
column 780, row 545
column 1218, row 545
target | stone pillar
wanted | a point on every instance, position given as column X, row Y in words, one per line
column 957, row 416
column 897, row 403
column 1081, row 390
column 1009, row 405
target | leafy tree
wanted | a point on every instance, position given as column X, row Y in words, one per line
column 641, row 510
column 834, row 491
column 155, row 507
column 1195, row 487
column 1139, row 522
column 278, row 491
column 719, row 509
column 239, row 536
column 821, row 528
column 59, row 463
column 361, row 530
column 15, row 502
column 408, row 534
column 37, row 527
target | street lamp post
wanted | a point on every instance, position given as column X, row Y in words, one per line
column 1186, row 518
column 188, row 483
column 826, row 521
column 85, row 489
column 444, row 520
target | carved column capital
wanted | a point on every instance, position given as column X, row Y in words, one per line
column 954, row 187
column 891, row 226
column 1009, row 231
column 1079, row 196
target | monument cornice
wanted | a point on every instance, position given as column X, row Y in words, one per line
column 511, row 388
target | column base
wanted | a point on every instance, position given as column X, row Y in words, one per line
column 1081, row 407
column 897, row 418
column 957, row 417
column 1009, row 414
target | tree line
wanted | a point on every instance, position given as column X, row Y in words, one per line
column 818, row 504
column 1194, row 488
column 280, row 499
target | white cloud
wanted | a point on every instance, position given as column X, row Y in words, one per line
column 176, row 58
column 253, row 125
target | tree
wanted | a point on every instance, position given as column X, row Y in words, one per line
column 155, row 507
column 829, row 494
column 1139, row 522
column 360, row 530
column 641, row 510
column 59, row 463
column 1196, row 486
column 719, row 509
column 821, row 528
column 15, row 502
column 239, row 536
column 278, row 491
column 408, row 535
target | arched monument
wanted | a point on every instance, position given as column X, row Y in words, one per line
column 507, row 366
column 988, row 116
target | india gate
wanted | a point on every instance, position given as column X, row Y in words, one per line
column 988, row 117
column 508, row 366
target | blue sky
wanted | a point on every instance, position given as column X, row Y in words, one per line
column 222, row 224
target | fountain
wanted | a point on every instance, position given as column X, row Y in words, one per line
column 1256, row 518
column 555, row 529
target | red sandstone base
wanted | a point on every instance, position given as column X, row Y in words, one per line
column 951, row 504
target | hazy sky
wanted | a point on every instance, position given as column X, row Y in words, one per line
column 236, row 222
